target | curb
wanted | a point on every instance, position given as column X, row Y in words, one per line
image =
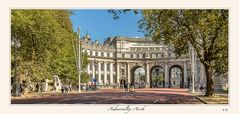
column 201, row 100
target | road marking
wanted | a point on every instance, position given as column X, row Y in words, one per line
column 156, row 100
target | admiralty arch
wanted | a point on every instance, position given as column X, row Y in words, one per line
column 115, row 62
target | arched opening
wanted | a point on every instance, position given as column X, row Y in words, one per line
column 176, row 79
column 137, row 77
column 157, row 79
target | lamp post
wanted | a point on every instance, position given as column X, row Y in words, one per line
column 192, row 60
column 79, row 62
column 16, row 87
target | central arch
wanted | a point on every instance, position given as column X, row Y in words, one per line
column 157, row 78
column 176, row 76
column 137, row 77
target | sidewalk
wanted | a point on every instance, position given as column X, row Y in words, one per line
column 44, row 94
column 219, row 98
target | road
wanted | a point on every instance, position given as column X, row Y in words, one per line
column 117, row 96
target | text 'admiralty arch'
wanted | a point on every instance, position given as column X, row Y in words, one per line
column 113, row 63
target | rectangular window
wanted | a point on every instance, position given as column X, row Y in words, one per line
column 123, row 55
column 96, row 53
column 119, row 54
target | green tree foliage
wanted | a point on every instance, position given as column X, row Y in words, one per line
column 85, row 77
column 85, row 60
column 47, row 45
column 205, row 30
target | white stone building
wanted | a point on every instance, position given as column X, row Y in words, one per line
column 114, row 62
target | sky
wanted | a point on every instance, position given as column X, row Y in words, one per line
column 99, row 24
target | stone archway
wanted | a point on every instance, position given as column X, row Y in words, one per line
column 137, row 79
column 176, row 76
column 157, row 77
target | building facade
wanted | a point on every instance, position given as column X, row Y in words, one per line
column 114, row 62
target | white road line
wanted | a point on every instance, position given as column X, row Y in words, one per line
column 156, row 100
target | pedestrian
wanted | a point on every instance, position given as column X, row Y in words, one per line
column 21, row 88
column 66, row 89
column 201, row 88
column 42, row 87
column 62, row 89
column 37, row 87
column 125, row 87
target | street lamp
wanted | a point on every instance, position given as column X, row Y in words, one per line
column 16, row 86
column 192, row 60
column 79, row 62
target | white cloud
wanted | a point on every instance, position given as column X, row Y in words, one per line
column 136, row 37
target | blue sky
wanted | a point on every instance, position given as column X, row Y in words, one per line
column 100, row 24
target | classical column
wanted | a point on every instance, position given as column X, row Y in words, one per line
column 111, row 73
column 128, row 73
column 93, row 70
column 147, row 76
column 105, row 73
column 166, row 78
column 185, row 73
column 99, row 72
column 117, row 73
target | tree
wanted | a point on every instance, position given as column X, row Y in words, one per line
column 205, row 30
column 46, row 38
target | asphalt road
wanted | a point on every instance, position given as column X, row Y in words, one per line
column 117, row 96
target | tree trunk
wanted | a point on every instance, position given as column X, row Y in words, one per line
column 209, row 79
